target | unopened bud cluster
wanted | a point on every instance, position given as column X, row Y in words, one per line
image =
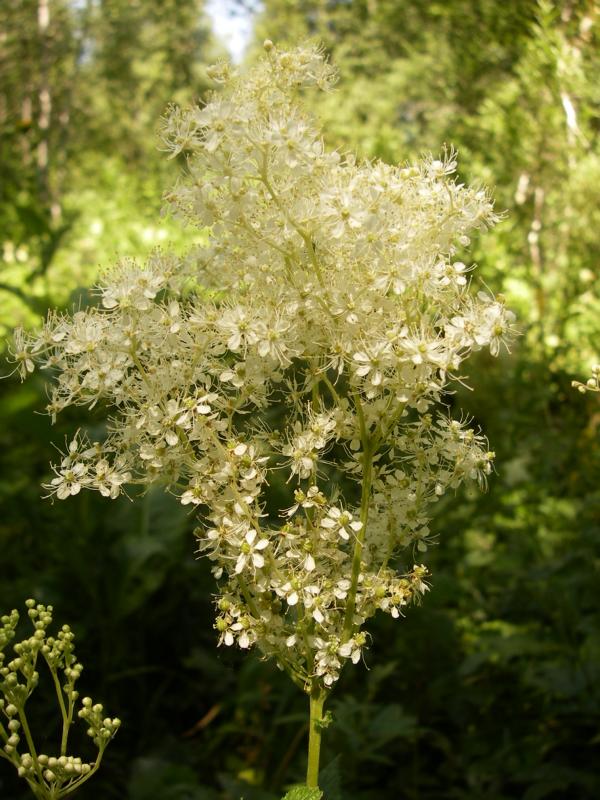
column 300, row 355
column 57, row 776
column 592, row 384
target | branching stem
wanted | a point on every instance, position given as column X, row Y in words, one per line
column 66, row 717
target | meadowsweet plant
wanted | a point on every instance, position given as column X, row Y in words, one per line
column 56, row 776
column 304, row 352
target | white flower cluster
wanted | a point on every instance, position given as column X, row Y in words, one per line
column 47, row 776
column 302, row 350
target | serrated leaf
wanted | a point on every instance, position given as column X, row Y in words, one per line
column 303, row 793
column 330, row 780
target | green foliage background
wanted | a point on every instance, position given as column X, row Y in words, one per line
column 491, row 688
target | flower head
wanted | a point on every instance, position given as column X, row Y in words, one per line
column 298, row 356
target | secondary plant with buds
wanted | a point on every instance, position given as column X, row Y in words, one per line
column 56, row 776
column 308, row 347
column 592, row 384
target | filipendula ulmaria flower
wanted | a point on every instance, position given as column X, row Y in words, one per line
column 329, row 298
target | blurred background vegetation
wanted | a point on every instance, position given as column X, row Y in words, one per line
column 490, row 689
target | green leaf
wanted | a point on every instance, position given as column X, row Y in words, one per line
column 155, row 777
column 303, row 793
column 330, row 779
column 392, row 722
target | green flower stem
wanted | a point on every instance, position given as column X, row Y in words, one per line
column 66, row 717
column 368, row 452
column 305, row 237
column 30, row 744
column 38, row 791
column 317, row 701
column 331, row 388
column 4, row 736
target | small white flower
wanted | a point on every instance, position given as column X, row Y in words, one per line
column 70, row 480
column 352, row 648
column 250, row 551
column 341, row 522
column 309, row 563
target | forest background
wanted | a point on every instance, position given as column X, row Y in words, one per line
column 492, row 687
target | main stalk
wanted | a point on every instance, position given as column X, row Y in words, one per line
column 317, row 701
